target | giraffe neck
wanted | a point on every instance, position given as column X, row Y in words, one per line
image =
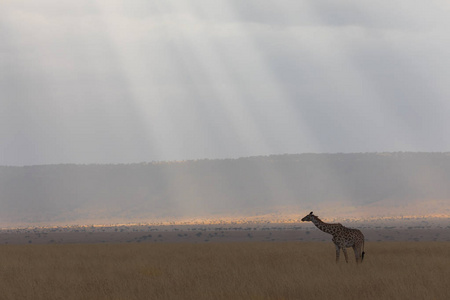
column 328, row 228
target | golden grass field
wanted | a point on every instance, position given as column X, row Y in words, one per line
column 246, row 270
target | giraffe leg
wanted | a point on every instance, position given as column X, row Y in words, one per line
column 345, row 254
column 338, row 252
column 357, row 251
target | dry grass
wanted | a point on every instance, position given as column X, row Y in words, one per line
column 291, row 270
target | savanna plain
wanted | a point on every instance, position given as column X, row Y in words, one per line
column 235, row 270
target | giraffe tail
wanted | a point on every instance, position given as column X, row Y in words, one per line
column 362, row 254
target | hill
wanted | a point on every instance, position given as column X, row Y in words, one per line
column 350, row 185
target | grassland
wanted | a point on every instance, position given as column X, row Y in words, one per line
column 252, row 270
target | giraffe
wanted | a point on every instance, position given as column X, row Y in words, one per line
column 343, row 237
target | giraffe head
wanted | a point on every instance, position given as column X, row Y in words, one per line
column 309, row 217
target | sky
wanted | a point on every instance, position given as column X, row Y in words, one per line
column 109, row 81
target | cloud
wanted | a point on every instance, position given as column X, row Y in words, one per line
column 117, row 81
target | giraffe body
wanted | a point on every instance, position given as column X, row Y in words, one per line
column 343, row 237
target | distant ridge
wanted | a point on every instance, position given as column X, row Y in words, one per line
column 362, row 184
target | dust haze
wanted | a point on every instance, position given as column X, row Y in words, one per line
column 277, row 188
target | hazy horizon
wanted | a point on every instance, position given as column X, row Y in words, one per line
column 226, row 158
column 125, row 82
column 283, row 187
